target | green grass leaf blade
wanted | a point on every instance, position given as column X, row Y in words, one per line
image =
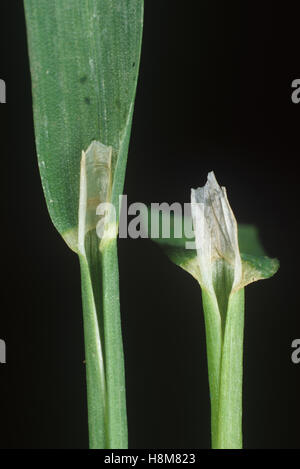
column 84, row 59
column 258, row 268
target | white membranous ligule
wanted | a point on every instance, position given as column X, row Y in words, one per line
column 98, row 174
column 216, row 234
column 95, row 189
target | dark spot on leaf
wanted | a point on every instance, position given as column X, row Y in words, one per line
column 83, row 79
column 87, row 100
column 133, row 65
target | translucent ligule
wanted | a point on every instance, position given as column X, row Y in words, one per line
column 215, row 232
column 98, row 177
column 95, row 187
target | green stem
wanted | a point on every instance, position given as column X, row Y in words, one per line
column 95, row 376
column 114, row 358
column 231, row 382
column 213, row 347
column 105, row 374
column 225, row 368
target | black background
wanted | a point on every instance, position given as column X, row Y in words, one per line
column 214, row 93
